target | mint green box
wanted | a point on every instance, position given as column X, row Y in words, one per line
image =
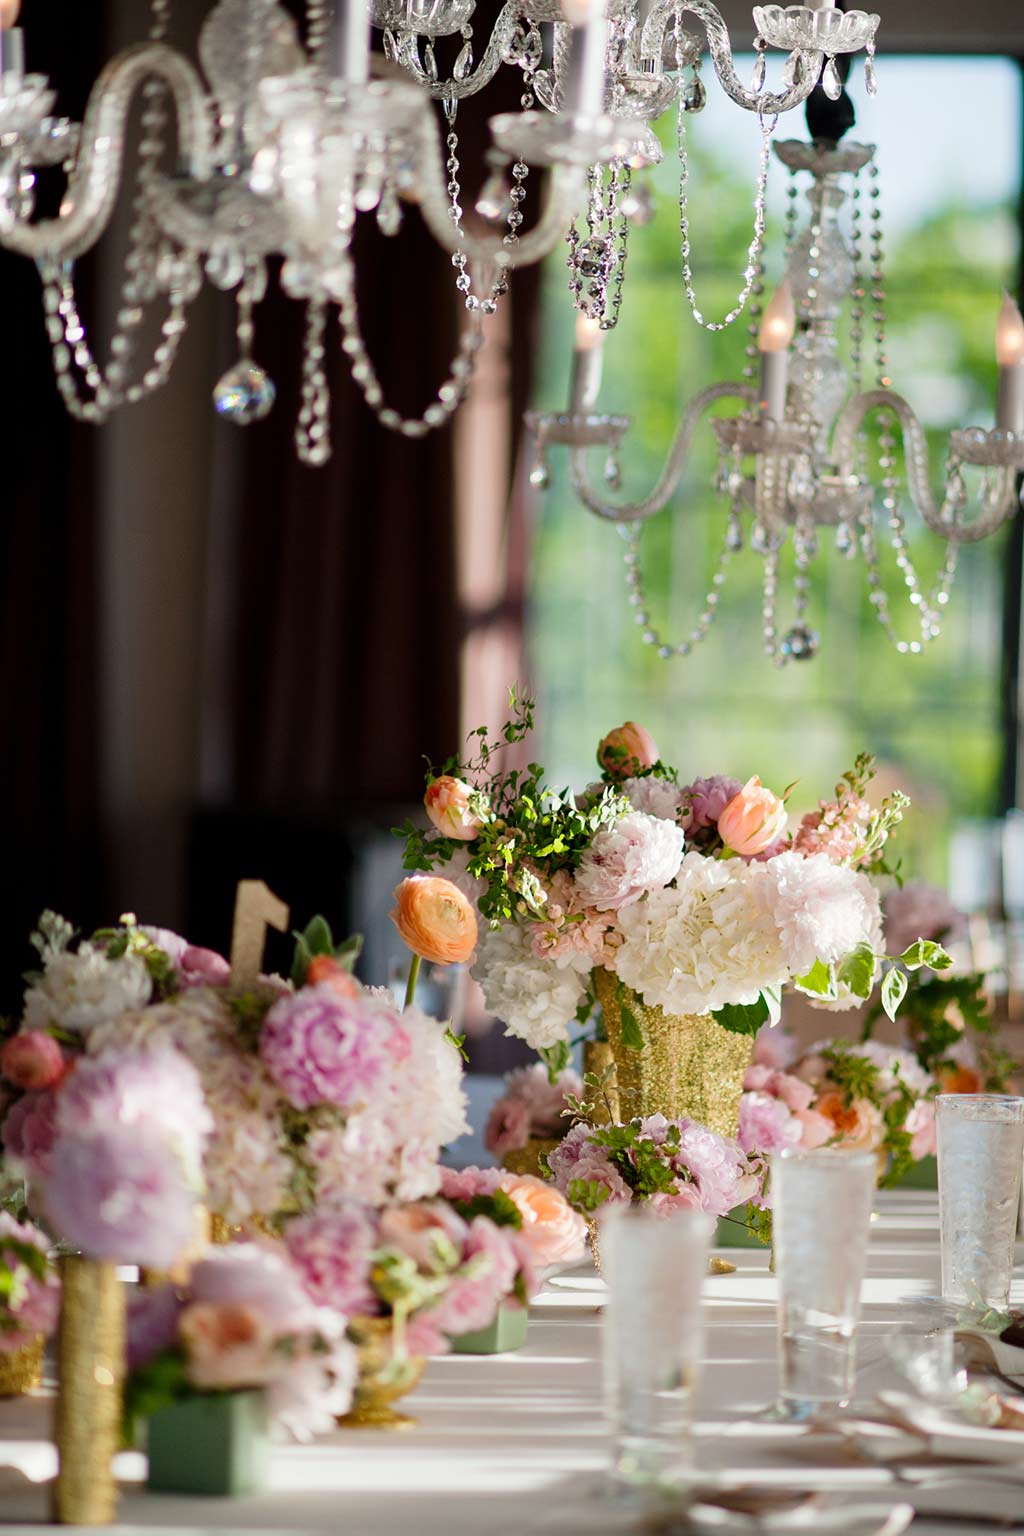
column 508, row 1331
column 924, row 1174
column 732, row 1231
column 211, row 1443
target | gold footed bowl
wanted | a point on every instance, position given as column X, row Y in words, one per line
column 690, row 1067
column 21, row 1369
column 383, row 1377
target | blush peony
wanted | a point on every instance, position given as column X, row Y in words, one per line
column 638, row 853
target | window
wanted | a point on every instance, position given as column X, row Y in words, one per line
column 950, row 182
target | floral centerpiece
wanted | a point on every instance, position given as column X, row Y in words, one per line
column 29, row 1304
column 682, row 909
column 302, row 1089
column 527, row 1121
column 212, row 1365
column 410, row 1278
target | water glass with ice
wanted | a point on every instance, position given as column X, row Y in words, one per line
column 655, row 1269
column 980, row 1140
column 822, row 1203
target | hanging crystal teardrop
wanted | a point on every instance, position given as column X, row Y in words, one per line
column 225, row 265
column 464, row 62
column 612, row 473
column 757, row 78
column 734, row 535
column 695, row 96
column 389, row 212
column 244, row 394
column 494, row 203
column 870, row 78
column 429, row 62
column 390, row 46
column 800, row 643
column 539, row 476
column 789, row 69
column 956, row 490
column 831, row 83
column 844, row 538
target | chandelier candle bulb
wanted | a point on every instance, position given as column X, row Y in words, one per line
column 774, row 338
column 1010, row 356
column 9, row 12
column 586, row 366
column 352, row 41
column 12, row 52
column 584, row 86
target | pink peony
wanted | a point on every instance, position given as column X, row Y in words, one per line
column 531, row 1105
column 654, row 796
column 228, row 1346
column 766, row 1124
column 28, row 1305
column 775, row 1047
column 29, row 1131
column 704, row 800
column 471, row 1300
column 467, row 1183
column 508, row 1126
column 321, row 1048
column 793, row 1091
column 753, row 820
column 636, row 854
column 332, row 1249
column 552, row 1231
column 920, row 1124
column 158, row 1089
column 578, row 1158
column 822, row 910
column 918, row 911
column 119, row 1193
column 423, row 1335
column 258, row 1275
column 32, row 1060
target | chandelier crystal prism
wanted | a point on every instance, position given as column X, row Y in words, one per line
column 283, row 138
column 821, row 448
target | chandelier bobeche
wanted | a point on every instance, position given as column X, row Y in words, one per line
column 283, row 140
column 796, row 461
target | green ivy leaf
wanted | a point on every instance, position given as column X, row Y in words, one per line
column 818, row 982
column 632, row 1034
column 744, row 1018
column 894, row 990
column 857, row 971
column 556, row 1058
column 926, row 952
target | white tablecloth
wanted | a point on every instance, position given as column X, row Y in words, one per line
column 514, row 1444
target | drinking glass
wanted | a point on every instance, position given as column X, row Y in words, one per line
column 980, row 1139
column 654, row 1268
column 821, row 1217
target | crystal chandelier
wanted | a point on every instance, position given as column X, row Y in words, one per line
column 798, row 462
column 282, row 142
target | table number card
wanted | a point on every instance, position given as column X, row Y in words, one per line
column 256, row 910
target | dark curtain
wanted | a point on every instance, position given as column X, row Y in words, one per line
column 49, row 748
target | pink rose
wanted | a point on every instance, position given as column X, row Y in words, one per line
column 551, row 1230
column 32, row 1060
column 815, row 1129
column 753, row 819
column 200, row 967
column 508, row 1126
column 921, row 1126
column 626, row 751
column 227, row 1345
column 447, row 805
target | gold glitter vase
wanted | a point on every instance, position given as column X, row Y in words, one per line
column 527, row 1159
column 690, row 1066
column 384, row 1377
column 90, row 1373
column 22, row 1369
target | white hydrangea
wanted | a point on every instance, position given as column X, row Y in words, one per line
column 822, row 910
column 535, row 998
column 653, row 795
column 638, row 853
column 705, row 942
column 79, row 990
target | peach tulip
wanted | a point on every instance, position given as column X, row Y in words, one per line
column 753, row 819
column 626, row 751
column 552, row 1230
column 435, row 919
column 447, row 805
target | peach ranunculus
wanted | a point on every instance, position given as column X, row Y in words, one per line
column 858, row 1125
column 626, row 751
column 435, row 919
column 325, row 969
column 552, row 1231
column 228, row 1345
column 960, row 1080
column 753, row 819
column 447, row 804
column 815, row 1129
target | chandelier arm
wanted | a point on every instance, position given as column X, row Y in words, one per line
column 565, row 192
column 675, row 463
column 485, row 71
column 998, row 499
column 766, row 103
column 94, row 184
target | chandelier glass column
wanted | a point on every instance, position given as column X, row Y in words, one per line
column 283, row 140
column 799, row 464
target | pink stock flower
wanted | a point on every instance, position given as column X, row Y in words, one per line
column 570, row 931
column 753, row 820
column 32, row 1060
column 552, row 1231
column 703, row 802
column 624, row 752
column 447, row 803
column 636, row 854
column 321, row 1048
column 837, row 829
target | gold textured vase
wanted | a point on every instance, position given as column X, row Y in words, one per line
column 384, row 1377
column 90, row 1373
column 22, row 1369
column 528, row 1159
column 690, row 1067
